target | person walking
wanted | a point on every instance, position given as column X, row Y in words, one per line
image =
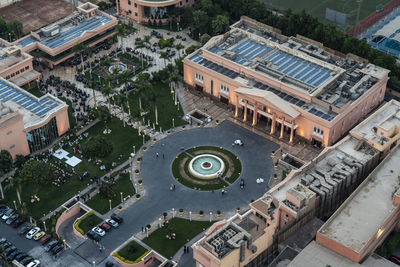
column 157, row 155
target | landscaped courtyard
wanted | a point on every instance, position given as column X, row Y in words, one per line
column 177, row 232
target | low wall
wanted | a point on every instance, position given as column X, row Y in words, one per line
column 146, row 260
column 67, row 214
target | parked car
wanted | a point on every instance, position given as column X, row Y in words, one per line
column 32, row 232
column 10, row 250
column 24, row 229
column 38, row 235
column 21, row 256
column 35, row 263
column 12, row 219
column 5, row 245
column 12, row 255
column 17, row 223
column 57, row 249
column 7, row 214
column 50, row 245
column 109, row 264
column 394, row 259
column 112, row 223
column 238, row 142
column 3, row 240
column 26, row 260
column 92, row 235
column 45, row 239
column 117, row 218
column 99, row 231
column 105, row 227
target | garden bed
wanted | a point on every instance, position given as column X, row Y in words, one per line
column 131, row 252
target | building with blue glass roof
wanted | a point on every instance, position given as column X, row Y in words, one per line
column 29, row 123
column 88, row 25
column 294, row 87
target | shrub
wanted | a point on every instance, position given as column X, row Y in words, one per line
column 97, row 146
column 78, row 222
column 201, row 212
column 137, row 195
column 180, row 210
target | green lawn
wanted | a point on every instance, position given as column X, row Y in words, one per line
column 89, row 222
column 317, row 7
column 122, row 138
column 51, row 196
column 185, row 230
column 165, row 106
column 102, row 205
column 132, row 251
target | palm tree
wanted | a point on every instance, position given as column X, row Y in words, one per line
column 107, row 91
column 16, row 182
column 164, row 55
column 120, row 31
column 141, row 45
column 121, row 101
column 179, row 47
column 78, row 48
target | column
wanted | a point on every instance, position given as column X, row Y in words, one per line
column 282, row 126
column 237, row 106
column 245, row 111
column 291, row 133
column 273, row 123
column 255, row 114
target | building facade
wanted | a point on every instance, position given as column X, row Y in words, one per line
column 291, row 86
column 143, row 11
column 88, row 25
column 318, row 189
column 16, row 66
column 29, row 123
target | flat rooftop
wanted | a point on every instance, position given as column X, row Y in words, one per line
column 316, row 255
column 331, row 164
column 32, row 108
column 301, row 64
column 365, row 211
column 387, row 117
column 66, row 30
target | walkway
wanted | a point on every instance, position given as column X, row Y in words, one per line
column 156, row 176
column 65, row 231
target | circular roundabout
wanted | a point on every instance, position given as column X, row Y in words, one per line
column 206, row 168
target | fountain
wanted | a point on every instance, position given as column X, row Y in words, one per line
column 206, row 166
column 117, row 67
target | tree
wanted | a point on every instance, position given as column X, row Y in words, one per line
column 164, row 55
column 19, row 160
column 97, row 146
column 5, row 161
column 15, row 28
column 220, row 24
column 179, row 47
column 37, row 173
column 140, row 45
column 17, row 182
column 200, row 21
column 3, row 29
column 79, row 48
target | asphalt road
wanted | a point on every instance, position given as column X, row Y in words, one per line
column 157, row 176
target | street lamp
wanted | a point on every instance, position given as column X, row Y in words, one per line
column 94, row 264
column 121, row 197
column 143, row 139
column 210, row 215
column 134, row 149
column 173, row 213
column 15, row 204
column 110, row 203
column 44, row 225
column 173, row 122
column 190, row 215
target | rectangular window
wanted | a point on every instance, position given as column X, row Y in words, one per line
column 224, row 89
column 135, row 5
column 180, row 3
column 9, row 132
column 199, row 77
column 22, row 70
column 11, row 147
column 27, row 68
column 130, row 11
column 129, row 2
column 135, row 14
column 17, row 72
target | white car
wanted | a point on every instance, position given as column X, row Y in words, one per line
column 238, row 142
column 99, row 231
column 7, row 215
column 32, row 232
column 112, row 223
column 35, row 263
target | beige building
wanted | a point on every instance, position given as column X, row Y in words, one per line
column 29, row 123
column 55, row 42
column 316, row 189
column 16, row 66
column 290, row 86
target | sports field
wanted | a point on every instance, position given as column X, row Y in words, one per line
column 317, row 7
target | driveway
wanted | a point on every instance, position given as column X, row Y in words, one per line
column 157, row 176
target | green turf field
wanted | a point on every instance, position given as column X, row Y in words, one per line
column 317, row 7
